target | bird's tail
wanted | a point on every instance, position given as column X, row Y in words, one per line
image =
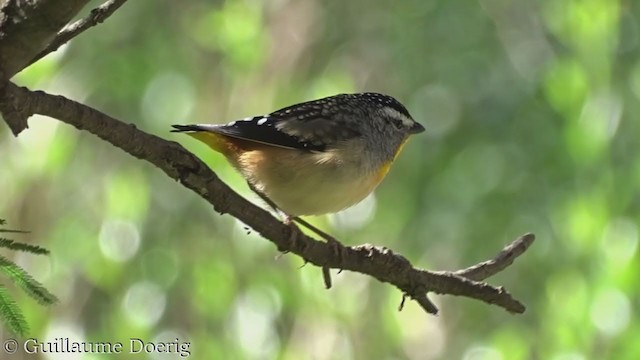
column 205, row 133
column 185, row 128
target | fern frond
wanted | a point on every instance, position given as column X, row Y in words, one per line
column 11, row 314
column 23, row 280
column 20, row 246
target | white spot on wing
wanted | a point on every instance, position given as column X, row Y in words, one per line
column 262, row 121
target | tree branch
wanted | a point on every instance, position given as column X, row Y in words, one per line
column 97, row 16
column 27, row 26
column 504, row 258
column 191, row 172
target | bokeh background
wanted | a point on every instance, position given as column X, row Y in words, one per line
column 530, row 108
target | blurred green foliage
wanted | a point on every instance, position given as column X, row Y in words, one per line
column 10, row 313
column 530, row 109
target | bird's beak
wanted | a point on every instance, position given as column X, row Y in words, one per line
column 416, row 128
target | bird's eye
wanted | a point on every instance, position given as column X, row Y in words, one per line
column 397, row 123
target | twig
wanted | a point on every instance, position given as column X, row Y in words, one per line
column 191, row 172
column 504, row 258
column 426, row 304
column 326, row 277
column 97, row 16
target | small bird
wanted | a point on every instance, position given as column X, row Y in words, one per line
column 316, row 157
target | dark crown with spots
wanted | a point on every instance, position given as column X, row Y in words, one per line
column 381, row 100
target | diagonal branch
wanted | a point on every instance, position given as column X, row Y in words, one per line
column 192, row 173
column 26, row 27
column 97, row 16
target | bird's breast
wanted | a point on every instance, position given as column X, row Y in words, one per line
column 306, row 183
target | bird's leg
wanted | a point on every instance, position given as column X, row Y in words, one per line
column 289, row 221
column 337, row 247
column 264, row 197
column 330, row 239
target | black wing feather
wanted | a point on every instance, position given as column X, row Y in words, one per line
column 258, row 129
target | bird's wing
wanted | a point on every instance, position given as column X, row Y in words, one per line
column 313, row 126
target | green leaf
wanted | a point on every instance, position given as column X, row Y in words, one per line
column 23, row 280
column 3, row 222
column 15, row 245
column 14, row 231
column 11, row 314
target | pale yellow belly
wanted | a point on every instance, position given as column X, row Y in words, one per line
column 316, row 185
